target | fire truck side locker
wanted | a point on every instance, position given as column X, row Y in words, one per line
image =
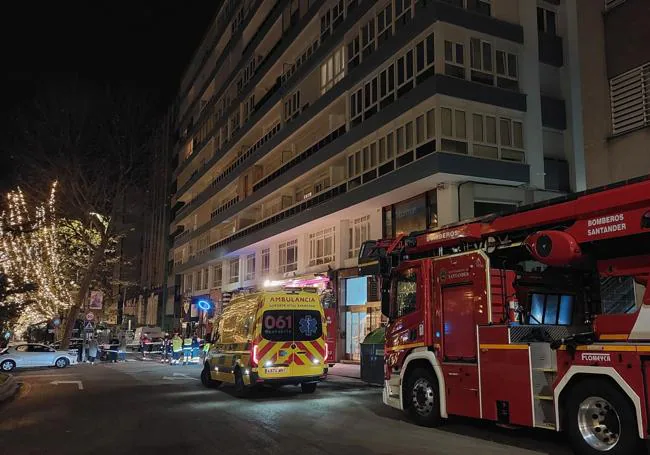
column 506, row 392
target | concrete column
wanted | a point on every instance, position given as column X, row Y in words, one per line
column 575, row 152
column 465, row 193
column 530, row 83
column 343, row 243
column 447, row 196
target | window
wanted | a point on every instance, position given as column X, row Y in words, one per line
column 546, row 21
column 288, row 256
column 250, row 267
column 266, row 261
column 484, row 135
column 406, row 293
column 553, row 309
column 356, row 106
column 454, row 59
column 511, row 137
column 402, row 12
column 628, row 94
column 322, row 247
column 189, row 278
column 431, row 124
column 292, row 106
column 454, row 130
column 354, row 52
column 332, row 70
column 217, row 275
column 507, row 72
column 481, row 61
column 234, row 270
column 368, row 38
column 387, row 84
column 385, row 23
column 359, row 233
column 205, row 278
column 424, row 53
column 405, row 69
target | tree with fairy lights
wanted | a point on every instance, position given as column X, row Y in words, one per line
column 32, row 286
column 93, row 143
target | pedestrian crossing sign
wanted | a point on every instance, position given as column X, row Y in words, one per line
column 89, row 327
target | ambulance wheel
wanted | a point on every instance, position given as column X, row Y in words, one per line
column 206, row 380
column 421, row 398
column 240, row 388
column 308, row 387
column 599, row 418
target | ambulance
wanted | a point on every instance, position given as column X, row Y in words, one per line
column 269, row 338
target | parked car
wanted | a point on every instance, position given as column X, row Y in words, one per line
column 34, row 355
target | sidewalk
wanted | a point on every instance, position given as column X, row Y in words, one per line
column 8, row 387
column 345, row 370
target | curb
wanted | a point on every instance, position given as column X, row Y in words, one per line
column 8, row 389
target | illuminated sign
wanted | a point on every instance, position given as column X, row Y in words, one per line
column 204, row 305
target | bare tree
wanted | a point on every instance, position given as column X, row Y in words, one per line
column 92, row 141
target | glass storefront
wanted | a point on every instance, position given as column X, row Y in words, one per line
column 362, row 313
column 415, row 214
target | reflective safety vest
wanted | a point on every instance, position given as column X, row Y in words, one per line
column 177, row 344
column 187, row 343
column 206, row 347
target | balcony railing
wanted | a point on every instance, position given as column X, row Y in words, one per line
column 289, row 212
column 300, row 158
column 224, row 206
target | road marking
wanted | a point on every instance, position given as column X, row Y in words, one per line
column 79, row 383
column 18, row 376
column 179, row 377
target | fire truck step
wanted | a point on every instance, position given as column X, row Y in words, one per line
column 546, row 426
column 544, row 397
column 545, row 370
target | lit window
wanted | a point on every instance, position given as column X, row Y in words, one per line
column 288, row 256
column 322, row 247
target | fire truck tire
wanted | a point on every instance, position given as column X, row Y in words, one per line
column 421, row 398
column 240, row 388
column 206, row 380
column 600, row 419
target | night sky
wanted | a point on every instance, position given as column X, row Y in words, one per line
column 122, row 43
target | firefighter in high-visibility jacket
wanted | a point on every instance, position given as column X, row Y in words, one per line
column 177, row 348
column 187, row 350
column 206, row 349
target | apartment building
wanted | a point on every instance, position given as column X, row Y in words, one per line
column 307, row 127
column 615, row 64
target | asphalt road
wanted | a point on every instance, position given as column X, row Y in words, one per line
column 147, row 408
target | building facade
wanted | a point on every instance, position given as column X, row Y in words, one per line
column 615, row 64
column 307, row 127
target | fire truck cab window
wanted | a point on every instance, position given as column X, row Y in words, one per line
column 621, row 294
column 551, row 309
column 406, row 293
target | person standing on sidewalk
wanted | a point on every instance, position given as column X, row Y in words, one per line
column 92, row 350
column 177, row 348
column 114, row 347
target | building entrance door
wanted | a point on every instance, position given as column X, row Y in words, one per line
column 355, row 329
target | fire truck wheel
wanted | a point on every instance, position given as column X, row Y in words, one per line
column 599, row 418
column 206, row 380
column 421, row 398
column 240, row 388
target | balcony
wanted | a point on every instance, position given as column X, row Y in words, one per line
column 300, row 158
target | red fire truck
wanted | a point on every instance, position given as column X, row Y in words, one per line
column 535, row 318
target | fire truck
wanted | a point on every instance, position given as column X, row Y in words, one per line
column 534, row 318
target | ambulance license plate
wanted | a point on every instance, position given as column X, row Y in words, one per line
column 275, row 370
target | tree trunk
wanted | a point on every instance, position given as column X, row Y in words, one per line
column 84, row 287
